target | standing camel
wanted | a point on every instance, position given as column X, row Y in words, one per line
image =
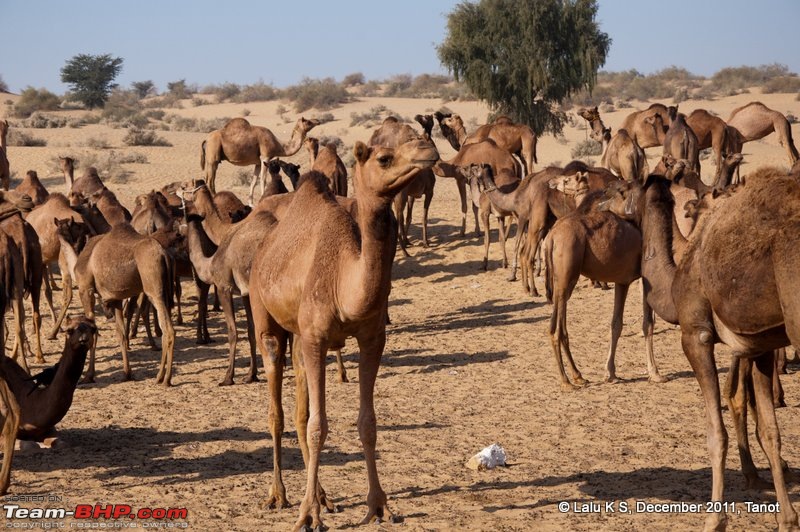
column 621, row 154
column 680, row 141
column 711, row 132
column 10, row 414
column 324, row 278
column 243, row 145
column 647, row 127
column 755, row 121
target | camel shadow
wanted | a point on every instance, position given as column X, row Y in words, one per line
column 430, row 363
column 492, row 313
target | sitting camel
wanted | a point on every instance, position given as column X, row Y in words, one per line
column 648, row 127
column 621, row 154
column 119, row 265
column 43, row 407
column 243, row 144
column 10, row 414
column 335, row 277
column 755, row 121
column 85, row 185
column 32, row 187
column 517, row 139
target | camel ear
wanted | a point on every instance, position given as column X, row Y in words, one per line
column 361, row 152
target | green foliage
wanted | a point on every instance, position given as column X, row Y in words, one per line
column 91, row 78
column 524, row 56
column 586, row 148
column 316, row 93
column 35, row 100
column 143, row 89
column 121, row 105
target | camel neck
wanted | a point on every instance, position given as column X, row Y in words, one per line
column 295, row 142
column 215, row 226
column 55, row 400
column 658, row 265
column 70, row 255
column 197, row 257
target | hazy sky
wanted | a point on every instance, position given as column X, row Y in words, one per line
column 244, row 41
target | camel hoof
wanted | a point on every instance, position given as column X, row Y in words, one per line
column 334, row 509
column 343, row 379
column 580, row 381
column 251, row 379
column 87, row 380
column 276, row 503
column 127, row 377
column 613, row 379
column 758, row 483
column 226, row 382
column 202, row 341
column 569, row 387
column 511, row 278
column 658, row 378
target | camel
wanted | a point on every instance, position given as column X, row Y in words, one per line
column 229, row 270
column 67, row 165
column 10, row 414
column 292, row 171
column 326, row 161
column 755, row 121
column 32, row 187
column 647, row 127
column 422, row 185
column 110, row 207
column 42, row 408
column 243, row 144
column 711, row 132
column 517, row 139
column 149, row 215
column 85, row 185
column 275, row 184
column 426, row 121
column 335, row 277
column 621, row 154
column 680, row 141
column 119, row 265
column 487, row 152
column 5, row 169
column 393, row 133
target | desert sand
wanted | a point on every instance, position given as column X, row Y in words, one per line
column 468, row 363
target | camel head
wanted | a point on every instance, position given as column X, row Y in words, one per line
column 697, row 208
column 575, row 185
column 292, row 171
column 67, row 164
column 312, row 145
column 19, row 201
column 240, row 214
column 622, row 198
column 384, row 171
column 589, row 114
column 426, row 121
column 672, row 113
column 76, row 233
column 439, row 116
column 304, row 126
column 274, row 166
column 80, row 332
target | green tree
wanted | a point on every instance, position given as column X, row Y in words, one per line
column 143, row 89
column 525, row 56
column 91, row 77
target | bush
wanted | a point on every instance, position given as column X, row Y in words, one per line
column 132, row 158
column 143, row 89
column 20, row 138
column 681, row 95
column 324, row 118
column 43, row 121
column 155, row 114
column 120, row 106
column 4, row 85
column 168, row 100
column 35, row 100
column 242, row 178
column 319, row 94
column 783, row 84
column 144, row 137
column 245, row 112
column 98, row 143
column 586, row 148
column 226, row 91
column 201, row 125
column 197, row 102
column 180, row 89
column 260, row 92
column 732, row 80
column 356, row 78
column 370, row 118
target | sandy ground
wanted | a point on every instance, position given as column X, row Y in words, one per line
column 467, row 363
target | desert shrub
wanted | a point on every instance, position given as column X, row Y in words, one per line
column 226, row 91
column 181, row 89
column 133, row 157
column 155, row 114
column 245, row 112
column 370, row 88
column 356, row 78
column 281, row 110
column 20, row 138
column 783, row 84
column 197, row 102
column 168, row 100
column 3, row 85
column 370, row 118
column 42, row 121
column 324, row 118
column 622, row 104
column 144, row 137
column 316, row 93
column 681, row 95
column 732, row 80
column 606, row 107
column 586, row 148
column 98, row 143
column 259, row 92
column 242, row 177
column 197, row 125
column 143, row 89
column 120, row 106
column 398, row 84
column 33, row 99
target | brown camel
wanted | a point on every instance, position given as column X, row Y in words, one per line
column 621, row 154
column 426, row 121
column 10, row 414
column 5, row 169
column 44, row 399
column 755, row 121
column 680, row 141
column 85, row 185
column 649, row 126
column 604, row 247
column 275, row 184
column 488, row 152
column 12, row 288
column 336, row 277
column 292, row 171
column 711, row 132
column 149, row 215
column 31, row 186
column 68, row 169
column 328, row 163
column 120, row 265
column 110, row 207
column 422, row 185
column 393, row 133
column 517, row 139
column 229, row 270
column 243, row 144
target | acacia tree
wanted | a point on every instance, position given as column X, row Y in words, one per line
column 91, row 77
column 525, row 56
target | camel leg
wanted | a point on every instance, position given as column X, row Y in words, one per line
column 119, row 321
column 340, row 365
column 66, row 296
column 620, row 294
column 251, row 339
column 19, row 331
column 48, row 297
column 178, row 294
column 485, row 216
column 10, row 428
column 769, row 436
column 313, row 354
column 559, row 337
column 462, row 193
column 36, row 292
column 648, row 322
column 202, row 313
column 371, row 349
column 409, row 214
column 211, row 176
column 522, row 223
column 144, row 309
column 226, row 301
column 425, row 208
column 87, row 301
column 167, row 339
column 273, row 352
column 699, row 349
column 216, row 307
column 501, row 221
column 777, row 387
column 402, row 228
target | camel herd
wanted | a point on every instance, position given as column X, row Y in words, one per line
column 313, row 266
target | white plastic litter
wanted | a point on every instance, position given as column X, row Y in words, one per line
column 489, row 458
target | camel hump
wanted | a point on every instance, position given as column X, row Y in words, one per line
column 236, row 124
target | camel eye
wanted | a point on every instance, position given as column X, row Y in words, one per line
column 384, row 160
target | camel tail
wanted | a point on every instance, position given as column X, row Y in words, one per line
column 168, row 281
column 790, row 140
column 203, row 156
column 548, row 274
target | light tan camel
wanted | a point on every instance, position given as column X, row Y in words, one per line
column 621, row 154
column 487, row 151
column 325, row 160
column 680, row 141
column 32, row 187
column 392, row 133
column 229, row 270
column 755, row 121
column 110, row 207
column 517, row 139
column 647, row 127
column 120, row 265
column 10, row 414
column 5, row 169
column 67, row 166
column 336, row 277
column 605, row 247
column 243, row 144
column 45, row 399
column 422, row 185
